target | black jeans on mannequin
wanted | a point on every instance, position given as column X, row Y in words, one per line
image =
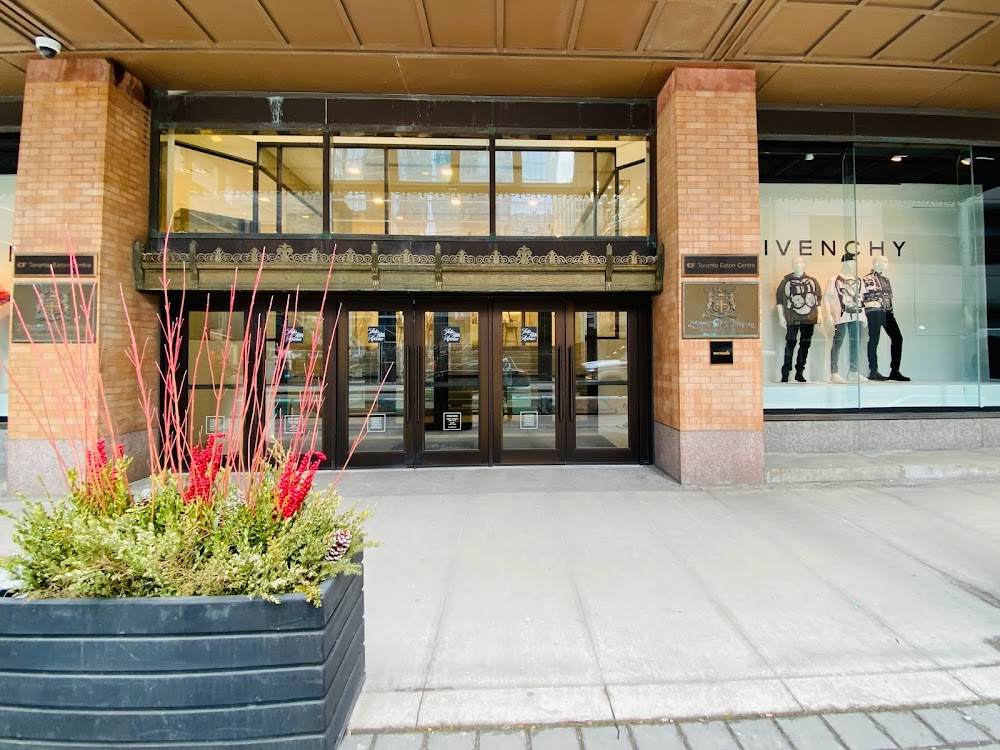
column 877, row 320
column 804, row 333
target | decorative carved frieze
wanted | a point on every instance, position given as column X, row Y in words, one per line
column 620, row 264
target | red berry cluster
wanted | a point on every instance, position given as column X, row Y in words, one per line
column 97, row 461
column 295, row 482
column 205, row 465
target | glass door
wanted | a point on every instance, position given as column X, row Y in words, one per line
column 600, row 427
column 529, row 365
column 374, row 414
column 450, row 406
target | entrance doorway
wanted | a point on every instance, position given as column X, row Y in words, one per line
column 456, row 382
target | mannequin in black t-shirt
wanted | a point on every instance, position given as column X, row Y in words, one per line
column 798, row 304
column 876, row 295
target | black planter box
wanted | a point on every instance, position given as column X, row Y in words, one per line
column 210, row 673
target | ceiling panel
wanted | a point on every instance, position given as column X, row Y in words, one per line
column 13, row 41
column 308, row 24
column 986, row 7
column 612, row 24
column 11, row 79
column 853, row 85
column 537, row 24
column 158, row 22
column 475, row 26
column 794, row 29
column 984, row 50
column 863, row 33
column 239, row 21
column 931, row 37
column 81, row 23
column 688, row 26
column 975, row 91
column 249, row 71
column 919, row 4
column 540, row 76
column 386, row 23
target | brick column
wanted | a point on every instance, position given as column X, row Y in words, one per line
column 83, row 169
column 708, row 419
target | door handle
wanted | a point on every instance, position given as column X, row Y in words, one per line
column 555, row 384
column 571, row 375
column 407, row 356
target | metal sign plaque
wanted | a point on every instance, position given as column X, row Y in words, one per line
column 376, row 423
column 720, row 352
column 719, row 265
column 452, row 420
column 292, row 423
column 53, row 265
column 721, row 310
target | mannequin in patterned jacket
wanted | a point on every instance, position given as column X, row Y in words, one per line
column 876, row 294
column 798, row 305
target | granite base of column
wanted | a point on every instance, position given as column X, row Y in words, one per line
column 710, row 457
column 34, row 469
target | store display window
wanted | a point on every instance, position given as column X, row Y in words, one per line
column 874, row 276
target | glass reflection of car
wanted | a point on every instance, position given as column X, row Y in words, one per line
column 614, row 369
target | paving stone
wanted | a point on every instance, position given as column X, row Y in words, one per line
column 712, row 735
column 810, row 733
column 408, row 741
column 906, row 729
column 515, row 740
column 451, row 741
column 657, row 737
column 562, row 738
column 759, row 734
column 987, row 717
column 952, row 725
column 859, row 732
column 357, row 742
column 606, row 738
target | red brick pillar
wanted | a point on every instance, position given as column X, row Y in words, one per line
column 83, row 169
column 708, row 419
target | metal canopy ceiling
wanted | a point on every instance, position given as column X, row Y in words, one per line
column 899, row 53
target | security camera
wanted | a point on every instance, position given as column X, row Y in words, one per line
column 47, row 46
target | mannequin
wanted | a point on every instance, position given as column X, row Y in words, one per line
column 844, row 310
column 876, row 294
column 798, row 299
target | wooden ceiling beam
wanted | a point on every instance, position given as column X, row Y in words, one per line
column 574, row 27
column 271, row 24
column 348, row 23
column 425, row 27
column 651, row 22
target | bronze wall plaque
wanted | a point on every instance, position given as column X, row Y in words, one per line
column 720, row 310
column 719, row 265
column 53, row 265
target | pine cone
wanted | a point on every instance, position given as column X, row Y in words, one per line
column 341, row 542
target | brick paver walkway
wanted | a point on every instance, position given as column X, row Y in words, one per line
column 965, row 726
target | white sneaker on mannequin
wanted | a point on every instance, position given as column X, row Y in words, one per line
column 837, row 378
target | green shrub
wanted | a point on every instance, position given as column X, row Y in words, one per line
column 198, row 534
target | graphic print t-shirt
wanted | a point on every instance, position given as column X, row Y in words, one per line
column 877, row 292
column 799, row 297
column 845, row 294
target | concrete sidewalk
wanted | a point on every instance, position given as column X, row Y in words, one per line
column 595, row 594
column 539, row 596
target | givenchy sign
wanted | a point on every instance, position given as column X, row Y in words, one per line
column 829, row 247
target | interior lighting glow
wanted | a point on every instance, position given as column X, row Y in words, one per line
column 456, row 201
column 966, row 161
column 446, row 171
column 897, row 158
column 354, row 170
column 378, row 200
column 216, row 139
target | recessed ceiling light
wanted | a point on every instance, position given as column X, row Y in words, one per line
column 966, row 161
column 532, row 203
column 446, row 171
column 399, row 218
column 216, row 139
column 456, row 201
column 264, row 199
column 810, row 157
column 897, row 158
column 378, row 199
column 354, row 170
